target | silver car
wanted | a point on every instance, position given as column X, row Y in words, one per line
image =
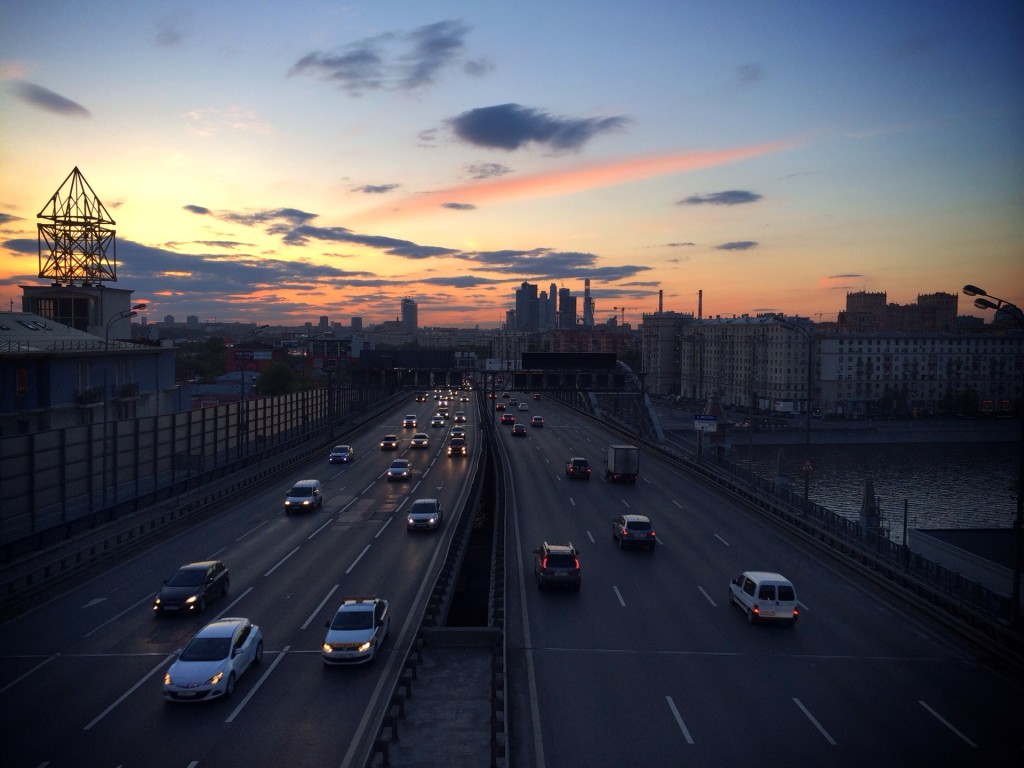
column 210, row 665
column 633, row 530
column 420, row 440
column 424, row 515
column 400, row 469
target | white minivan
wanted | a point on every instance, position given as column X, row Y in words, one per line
column 764, row 595
column 304, row 495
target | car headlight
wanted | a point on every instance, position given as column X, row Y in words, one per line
column 215, row 679
column 191, row 599
column 167, row 678
column 365, row 646
column 327, row 648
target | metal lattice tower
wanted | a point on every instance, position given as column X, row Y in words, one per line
column 73, row 245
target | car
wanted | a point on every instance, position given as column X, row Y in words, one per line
column 357, row 632
column 420, row 440
column 209, row 666
column 499, row 406
column 409, row 422
column 457, row 446
column 424, row 515
column 513, row 403
column 341, row 454
column 524, row 406
column 558, row 565
column 191, row 587
column 519, row 430
column 464, row 398
column 506, row 395
column 633, row 530
column 443, row 412
column 577, row 467
column 765, row 596
column 508, row 418
column 460, row 417
column 536, row 395
column 305, row 494
column 457, row 432
column 400, row 469
column 421, row 397
column 389, row 443
column 536, row 421
column 437, row 421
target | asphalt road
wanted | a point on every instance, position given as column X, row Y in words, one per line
column 650, row 665
column 81, row 676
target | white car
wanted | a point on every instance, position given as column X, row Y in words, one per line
column 210, row 665
column 357, row 631
column 765, row 596
column 420, row 440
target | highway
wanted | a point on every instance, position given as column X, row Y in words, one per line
column 650, row 665
column 647, row 665
column 81, row 675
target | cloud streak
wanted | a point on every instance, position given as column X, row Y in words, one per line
column 512, row 126
column 579, row 179
column 47, row 100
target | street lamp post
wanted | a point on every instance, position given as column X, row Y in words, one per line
column 986, row 300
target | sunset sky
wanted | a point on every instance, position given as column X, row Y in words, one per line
column 272, row 163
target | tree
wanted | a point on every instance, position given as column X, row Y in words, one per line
column 276, row 379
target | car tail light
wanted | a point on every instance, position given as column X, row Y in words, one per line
column 576, row 560
column 755, row 610
column 653, row 534
column 796, row 612
column 544, row 562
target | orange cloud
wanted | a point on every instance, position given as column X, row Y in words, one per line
column 568, row 181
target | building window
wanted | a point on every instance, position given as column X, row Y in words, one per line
column 21, row 381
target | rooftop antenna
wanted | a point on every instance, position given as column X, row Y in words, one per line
column 77, row 236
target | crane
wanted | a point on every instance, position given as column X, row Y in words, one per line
column 622, row 320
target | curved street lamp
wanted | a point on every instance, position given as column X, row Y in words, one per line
column 988, row 301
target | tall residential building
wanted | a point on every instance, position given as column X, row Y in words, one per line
column 410, row 320
column 663, row 338
column 588, row 305
column 551, row 320
column 324, row 325
column 357, row 324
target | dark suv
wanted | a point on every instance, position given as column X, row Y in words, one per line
column 577, row 467
column 557, row 564
column 188, row 590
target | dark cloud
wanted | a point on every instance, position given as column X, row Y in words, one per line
column 278, row 219
column 376, row 189
column 678, row 245
column 477, row 67
column 487, row 170
column 199, row 210
column 462, row 281
column 728, row 197
column 7, row 218
column 168, row 33
column 301, row 235
column 459, row 206
column 392, row 61
column 47, row 100
column 748, row 74
column 511, row 126
column 737, row 245
column 845, row 277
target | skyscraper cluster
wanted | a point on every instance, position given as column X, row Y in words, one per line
column 543, row 310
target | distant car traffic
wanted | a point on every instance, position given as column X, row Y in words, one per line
column 210, row 665
column 341, row 454
column 420, row 440
column 303, row 496
column 357, row 631
column 409, row 422
column 457, row 432
column 460, row 417
column 192, row 585
column 389, row 443
column 519, row 430
column 633, row 530
column 400, row 469
column 457, row 446
column 537, row 421
column 508, row 418
column 499, row 406
column 437, row 421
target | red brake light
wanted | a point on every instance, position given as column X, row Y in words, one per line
column 755, row 610
column 544, row 562
column 577, row 561
column 653, row 534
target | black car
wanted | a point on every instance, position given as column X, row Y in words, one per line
column 557, row 564
column 188, row 590
column 577, row 467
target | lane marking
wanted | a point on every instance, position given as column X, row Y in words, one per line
column 232, row 604
column 356, row 561
column 817, row 725
column 329, row 522
column 619, row 595
column 946, row 723
column 131, row 607
column 590, row 536
column 722, row 540
column 281, row 561
column 31, row 672
column 251, row 530
column 708, row 597
column 256, row 687
column 626, row 503
column 677, row 503
column 679, row 720
column 317, row 609
column 129, row 692
column 386, row 524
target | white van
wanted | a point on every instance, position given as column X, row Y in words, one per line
column 304, row 495
column 764, row 595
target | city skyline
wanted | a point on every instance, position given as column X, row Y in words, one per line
column 272, row 165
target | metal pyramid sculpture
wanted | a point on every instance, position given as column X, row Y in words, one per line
column 74, row 242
